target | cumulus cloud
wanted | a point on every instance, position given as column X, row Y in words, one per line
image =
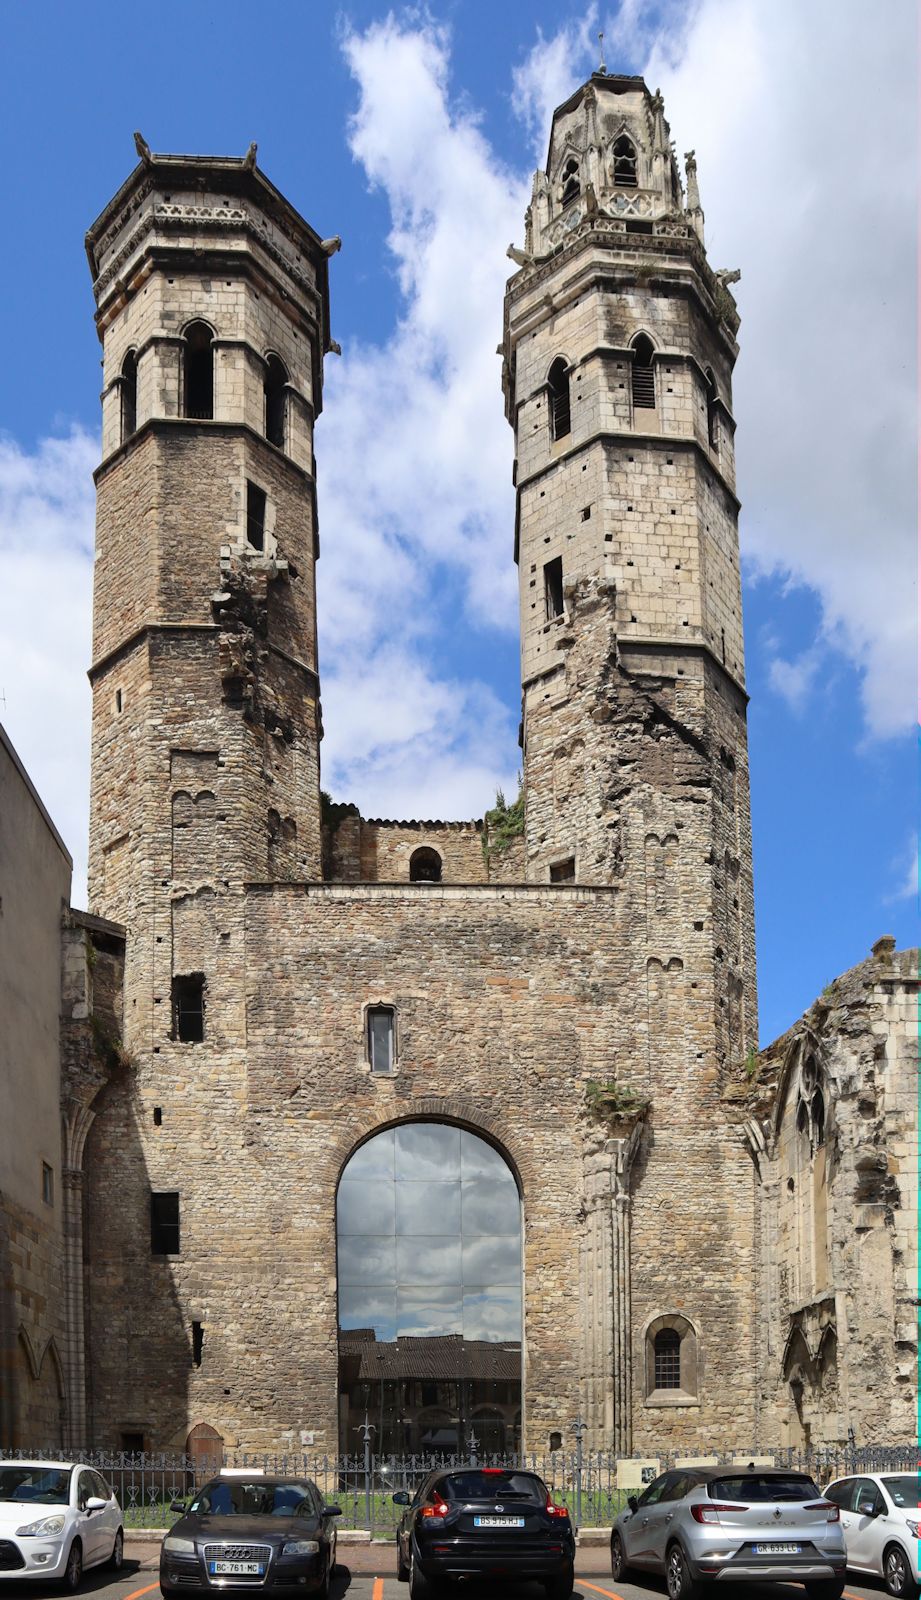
column 46, row 547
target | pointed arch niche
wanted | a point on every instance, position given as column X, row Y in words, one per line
column 429, row 1239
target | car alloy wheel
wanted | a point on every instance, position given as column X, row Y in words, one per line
column 73, row 1572
column 118, row 1552
column 419, row 1586
column 896, row 1575
column 618, row 1559
column 680, row 1584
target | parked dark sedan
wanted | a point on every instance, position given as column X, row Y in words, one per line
column 249, row 1531
column 487, row 1522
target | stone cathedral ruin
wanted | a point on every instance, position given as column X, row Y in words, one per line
column 457, row 1126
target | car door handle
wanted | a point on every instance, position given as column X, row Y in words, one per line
column 669, row 1517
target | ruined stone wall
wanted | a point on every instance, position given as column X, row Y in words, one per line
column 371, row 851
column 833, row 1123
column 509, row 1001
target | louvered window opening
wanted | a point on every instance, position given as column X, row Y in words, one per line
column 570, row 182
column 624, row 164
column 562, row 420
column 644, row 385
column 668, row 1359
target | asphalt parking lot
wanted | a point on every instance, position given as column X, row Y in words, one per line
column 366, row 1572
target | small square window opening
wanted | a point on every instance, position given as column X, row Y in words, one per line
column 553, row 588
column 563, row 871
column 255, row 516
column 164, row 1223
column 189, row 1008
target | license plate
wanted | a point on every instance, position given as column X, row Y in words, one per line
column 233, row 1569
column 778, row 1549
column 498, row 1522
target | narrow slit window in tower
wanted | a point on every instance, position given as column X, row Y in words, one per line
column 255, row 516
column 276, row 401
column 560, row 416
column 164, row 1223
column 380, row 1038
column 189, row 1008
column 667, row 1357
column 570, row 181
column 129, row 396
column 643, row 377
column 713, row 418
column 624, row 154
column 553, row 588
column 198, row 373
column 198, row 1341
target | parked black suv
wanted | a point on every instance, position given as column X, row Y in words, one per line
column 485, row 1521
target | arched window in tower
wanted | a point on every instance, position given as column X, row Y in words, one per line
column 428, row 1226
column 818, row 1119
column 569, row 181
column 425, row 866
column 643, row 376
column 198, row 372
column 667, row 1359
column 623, row 157
column 713, row 416
column 276, row 401
column 560, row 416
column 129, row 394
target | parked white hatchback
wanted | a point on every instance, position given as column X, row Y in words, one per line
column 56, row 1519
column 881, row 1519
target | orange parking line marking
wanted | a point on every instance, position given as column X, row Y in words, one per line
column 581, row 1584
column 377, row 1592
column 135, row 1592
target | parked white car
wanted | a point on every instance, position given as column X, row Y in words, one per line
column 880, row 1518
column 56, row 1519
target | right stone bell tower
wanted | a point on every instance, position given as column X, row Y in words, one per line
column 619, row 347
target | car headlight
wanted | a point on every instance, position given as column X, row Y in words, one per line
column 43, row 1529
column 185, row 1547
column 913, row 1528
column 301, row 1547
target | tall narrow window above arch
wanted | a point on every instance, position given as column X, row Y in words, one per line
column 276, row 401
column 713, row 416
column 129, row 394
column 198, row 372
column 643, row 377
column 560, row 417
column 623, row 156
column 571, row 187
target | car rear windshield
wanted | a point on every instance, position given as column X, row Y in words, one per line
column 752, row 1488
column 905, row 1490
column 45, row 1486
column 237, row 1498
column 496, row 1485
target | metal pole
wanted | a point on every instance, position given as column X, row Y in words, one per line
column 578, row 1428
column 366, row 1429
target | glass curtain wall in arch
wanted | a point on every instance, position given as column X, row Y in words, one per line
column 428, row 1224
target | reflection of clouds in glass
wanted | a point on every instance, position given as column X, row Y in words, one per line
column 480, row 1160
column 428, row 1150
column 491, row 1205
column 492, row 1314
column 365, row 1207
column 491, row 1261
column 428, row 1208
column 422, row 1259
column 369, row 1308
column 374, row 1159
column 364, row 1259
column 429, row 1312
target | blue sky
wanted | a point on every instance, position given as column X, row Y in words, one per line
column 413, row 134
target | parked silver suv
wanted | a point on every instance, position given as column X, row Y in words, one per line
column 731, row 1526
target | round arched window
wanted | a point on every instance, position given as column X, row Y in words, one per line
column 425, row 866
column 428, row 1225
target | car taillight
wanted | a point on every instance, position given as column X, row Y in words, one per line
column 439, row 1509
column 493, row 1472
column 554, row 1510
column 832, row 1512
column 710, row 1511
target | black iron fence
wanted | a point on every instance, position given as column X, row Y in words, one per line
column 594, row 1484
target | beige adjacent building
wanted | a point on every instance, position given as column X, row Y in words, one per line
column 449, row 1130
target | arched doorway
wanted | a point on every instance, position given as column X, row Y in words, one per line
column 428, row 1225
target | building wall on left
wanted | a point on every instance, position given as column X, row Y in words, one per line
column 35, row 874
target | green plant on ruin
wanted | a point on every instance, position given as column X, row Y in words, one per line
column 751, row 1063
column 504, row 823
column 332, row 811
column 107, row 1046
column 613, row 1102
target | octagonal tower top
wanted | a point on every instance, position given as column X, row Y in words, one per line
column 610, row 155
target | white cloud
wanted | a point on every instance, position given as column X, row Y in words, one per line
column 906, row 869
column 794, row 680
column 46, row 543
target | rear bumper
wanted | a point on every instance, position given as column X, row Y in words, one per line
column 454, row 1558
column 768, row 1571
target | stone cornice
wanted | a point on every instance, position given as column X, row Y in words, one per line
column 147, row 630
column 155, row 425
column 669, row 441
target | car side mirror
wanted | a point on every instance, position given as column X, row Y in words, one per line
column 177, row 1505
column 332, row 1511
column 95, row 1504
column 401, row 1498
column 867, row 1508
column 632, row 1502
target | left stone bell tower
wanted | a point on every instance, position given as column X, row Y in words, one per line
column 212, row 297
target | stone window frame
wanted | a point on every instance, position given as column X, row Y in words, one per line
column 688, row 1392
column 379, row 1004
